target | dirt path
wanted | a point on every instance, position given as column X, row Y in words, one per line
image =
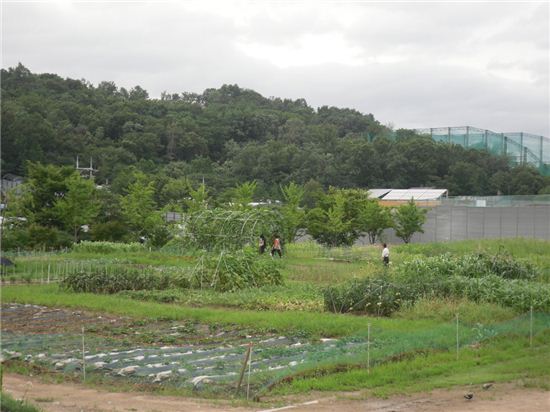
column 69, row 397
column 77, row 398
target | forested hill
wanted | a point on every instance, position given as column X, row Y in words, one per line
column 227, row 136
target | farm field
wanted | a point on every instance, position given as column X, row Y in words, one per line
column 307, row 333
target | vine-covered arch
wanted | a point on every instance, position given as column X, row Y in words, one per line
column 222, row 229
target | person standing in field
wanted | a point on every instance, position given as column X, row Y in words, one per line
column 276, row 247
column 386, row 255
column 262, row 244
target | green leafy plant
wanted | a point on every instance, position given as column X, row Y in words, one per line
column 408, row 220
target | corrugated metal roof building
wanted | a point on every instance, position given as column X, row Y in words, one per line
column 423, row 196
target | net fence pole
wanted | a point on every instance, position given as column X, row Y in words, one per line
column 248, row 379
column 368, row 348
column 243, row 369
column 457, row 343
column 83, row 358
column 531, row 327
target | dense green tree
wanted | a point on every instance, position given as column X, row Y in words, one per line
column 138, row 205
column 292, row 214
column 408, row 219
column 335, row 221
column 313, row 192
column 78, row 206
column 374, row 218
column 198, row 199
column 46, row 184
column 466, row 179
column 526, row 180
column 243, row 194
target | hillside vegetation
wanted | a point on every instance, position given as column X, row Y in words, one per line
column 227, row 136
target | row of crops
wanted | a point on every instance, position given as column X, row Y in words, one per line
column 223, row 272
column 478, row 277
column 498, row 279
column 121, row 269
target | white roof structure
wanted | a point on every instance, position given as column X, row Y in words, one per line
column 415, row 193
column 378, row 193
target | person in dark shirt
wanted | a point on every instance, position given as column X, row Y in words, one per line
column 262, row 244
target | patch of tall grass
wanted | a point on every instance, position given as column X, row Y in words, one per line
column 441, row 309
column 294, row 297
column 499, row 360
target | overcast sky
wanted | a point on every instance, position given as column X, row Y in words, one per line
column 409, row 64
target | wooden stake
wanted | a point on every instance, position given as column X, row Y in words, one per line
column 243, row 369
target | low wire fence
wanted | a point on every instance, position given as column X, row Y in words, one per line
column 255, row 364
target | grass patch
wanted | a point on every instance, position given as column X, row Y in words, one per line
column 502, row 359
column 316, row 324
column 440, row 309
column 295, row 296
column 9, row 404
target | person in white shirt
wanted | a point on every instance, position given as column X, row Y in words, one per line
column 386, row 255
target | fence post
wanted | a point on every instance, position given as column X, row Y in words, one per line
column 531, row 328
column 368, row 348
column 248, row 380
column 243, row 369
column 457, row 344
column 83, row 358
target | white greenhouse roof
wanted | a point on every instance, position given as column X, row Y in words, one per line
column 378, row 193
column 416, row 194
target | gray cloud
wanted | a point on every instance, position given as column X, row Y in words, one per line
column 414, row 65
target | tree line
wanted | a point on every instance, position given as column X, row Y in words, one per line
column 60, row 207
column 227, row 136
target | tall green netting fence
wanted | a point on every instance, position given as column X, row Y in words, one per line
column 522, row 148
